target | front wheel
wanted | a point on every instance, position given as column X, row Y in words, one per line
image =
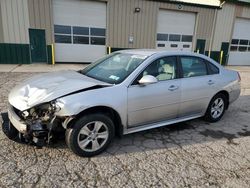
column 216, row 108
column 90, row 135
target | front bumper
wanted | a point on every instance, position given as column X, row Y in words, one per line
column 36, row 133
column 16, row 121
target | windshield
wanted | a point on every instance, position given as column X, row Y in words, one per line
column 114, row 68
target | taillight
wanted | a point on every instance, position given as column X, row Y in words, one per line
column 239, row 78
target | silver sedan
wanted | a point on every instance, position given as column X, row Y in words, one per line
column 124, row 92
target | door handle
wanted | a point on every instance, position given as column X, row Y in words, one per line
column 172, row 88
column 210, row 82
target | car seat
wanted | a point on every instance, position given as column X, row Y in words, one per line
column 166, row 71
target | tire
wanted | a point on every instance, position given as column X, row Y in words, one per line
column 210, row 115
column 9, row 130
column 90, row 135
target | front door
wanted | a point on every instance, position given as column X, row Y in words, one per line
column 38, row 45
column 155, row 102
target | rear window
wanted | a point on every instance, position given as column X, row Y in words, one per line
column 193, row 66
column 212, row 68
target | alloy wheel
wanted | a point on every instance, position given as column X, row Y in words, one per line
column 93, row 136
column 217, row 108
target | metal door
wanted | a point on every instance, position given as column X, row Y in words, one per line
column 38, row 45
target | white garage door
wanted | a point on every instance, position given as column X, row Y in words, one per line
column 175, row 30
column 240, row 44
column 80, row 30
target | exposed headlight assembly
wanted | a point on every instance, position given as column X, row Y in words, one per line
column 58, row 105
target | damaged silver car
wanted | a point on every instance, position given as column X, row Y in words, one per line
column 124, row 92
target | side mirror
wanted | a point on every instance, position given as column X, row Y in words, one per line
column 147, row 79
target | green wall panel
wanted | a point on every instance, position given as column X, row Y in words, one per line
column 49, row 52
column 26, row 54
column 200, row 45
column 14, row 53
column 1, row 53
column 224, row 48
column 215, row 55
column 19, row 54
column 7, row 52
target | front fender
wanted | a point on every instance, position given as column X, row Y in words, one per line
column 113, row 97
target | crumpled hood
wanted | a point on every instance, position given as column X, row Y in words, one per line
column 49, row 86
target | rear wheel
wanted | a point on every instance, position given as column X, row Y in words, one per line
column 90, row 135
column 216, row 108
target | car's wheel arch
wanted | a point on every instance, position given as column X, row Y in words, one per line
column 225, row 93
column 113, row 114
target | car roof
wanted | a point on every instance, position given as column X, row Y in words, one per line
column 156, row 52
column 150, row 52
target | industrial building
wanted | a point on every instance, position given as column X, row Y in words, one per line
column 81, row 31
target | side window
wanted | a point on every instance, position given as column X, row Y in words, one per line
column 164, row 68
column 212, row 68
column 167, row 68
column 192, row 66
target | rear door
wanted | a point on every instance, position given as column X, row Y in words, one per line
column 197, row 86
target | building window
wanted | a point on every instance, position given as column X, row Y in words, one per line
column 235, row 41
column 79, row 35
column 177, row 39
column 174, row 45
column 63, row 34
column 98, row 40
column 63, row 39
column 241, row 45
column 162, row 37
column 62, row 29
column 97, row 36
column 161, row 45
column 243, row 42
column 233, row 48
column 187, row 38
column 97, row 32
column 174, row 37
column 186, row 46
column 80, row 30
column 80, row 40
column 242, row 48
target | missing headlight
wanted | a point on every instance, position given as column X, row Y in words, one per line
column 43, row 112
column 40, row 120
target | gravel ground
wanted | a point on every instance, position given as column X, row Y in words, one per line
column 189, row 154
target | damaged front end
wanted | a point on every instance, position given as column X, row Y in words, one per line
column 38, row 124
